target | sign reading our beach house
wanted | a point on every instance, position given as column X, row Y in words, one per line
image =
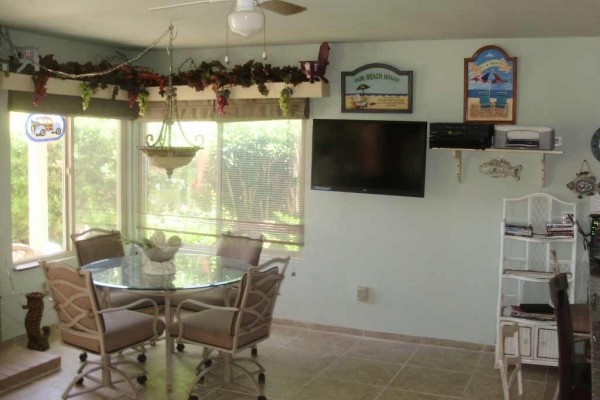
column 377, row 88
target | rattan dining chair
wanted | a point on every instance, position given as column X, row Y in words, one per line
column 84, row 326
column 98, row 244
column 235, row 246
column 230, row 330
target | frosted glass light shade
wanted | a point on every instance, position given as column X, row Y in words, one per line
column 246, row 22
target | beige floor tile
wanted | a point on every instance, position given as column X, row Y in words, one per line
column 383, row 350
column 482, row 387
column 359, row 370
column 549, row 390
column 327, row 389
column 302, row 364
column 285, row 358
column 396, row 394
column 322, row 342
column 432, row 381
column 446, row 358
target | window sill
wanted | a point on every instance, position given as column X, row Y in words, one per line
column 30, row 264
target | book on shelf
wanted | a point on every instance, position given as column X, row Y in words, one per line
column 517, row 311
column 518, row 230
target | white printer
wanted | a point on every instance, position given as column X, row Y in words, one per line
column 523, row 137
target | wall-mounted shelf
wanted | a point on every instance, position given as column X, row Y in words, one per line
column 21, row 82
column 458, row 157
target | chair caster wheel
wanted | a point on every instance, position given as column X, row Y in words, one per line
column 79, row 381
column 207, row 363
column 82, row 357
column 254, row 352
column 142, row 379
column 141, row 357
column 261, row 378
column 180, row 347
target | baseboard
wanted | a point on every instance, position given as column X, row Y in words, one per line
column 384, row 335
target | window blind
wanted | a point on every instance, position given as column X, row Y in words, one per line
column 248, row 178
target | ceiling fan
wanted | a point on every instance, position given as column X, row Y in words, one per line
column 247, row 17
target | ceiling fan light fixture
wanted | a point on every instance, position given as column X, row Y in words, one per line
column 247, row 19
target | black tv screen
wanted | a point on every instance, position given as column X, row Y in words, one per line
column 362, row 156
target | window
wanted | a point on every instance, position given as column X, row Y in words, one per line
column 47, row 203
column 248, row 178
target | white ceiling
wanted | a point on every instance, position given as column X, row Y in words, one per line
column 129, row 24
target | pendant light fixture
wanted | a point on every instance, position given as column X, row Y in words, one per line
column 161, row 152
column 247, row 18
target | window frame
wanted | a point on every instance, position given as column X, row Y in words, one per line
column 140, row 204
column 69, row 192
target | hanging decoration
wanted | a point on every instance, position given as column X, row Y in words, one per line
column 136, row 79
column 500, row 168
column 584, row 182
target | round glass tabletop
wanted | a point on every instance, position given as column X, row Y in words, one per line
column 185, row 271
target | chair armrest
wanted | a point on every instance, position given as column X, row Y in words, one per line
column 135, row 304
column 132, row 305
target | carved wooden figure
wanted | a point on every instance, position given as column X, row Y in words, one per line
column 37, row 339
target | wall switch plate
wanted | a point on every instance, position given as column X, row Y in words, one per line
column 362, row 293
column 558, row 141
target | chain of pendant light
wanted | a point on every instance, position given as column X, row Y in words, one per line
column 61, row 74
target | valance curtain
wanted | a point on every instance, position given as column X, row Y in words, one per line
column 71, row 105
column 192, row 110
column 237, row 110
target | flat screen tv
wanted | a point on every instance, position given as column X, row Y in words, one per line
column 362, row 156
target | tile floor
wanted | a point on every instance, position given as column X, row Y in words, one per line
column 304, row 364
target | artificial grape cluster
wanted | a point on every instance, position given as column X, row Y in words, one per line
column 284, row 99
column 142, row 101
column 39, row 84
column 87, row 92
column 221, row 103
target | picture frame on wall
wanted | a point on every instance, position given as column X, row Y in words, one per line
column 377, row 88
column 490, row 94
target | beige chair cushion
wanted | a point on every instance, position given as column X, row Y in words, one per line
column 123, row 329
column 213, row 327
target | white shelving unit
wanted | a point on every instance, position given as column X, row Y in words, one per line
column 526, row 266
column 458, row 155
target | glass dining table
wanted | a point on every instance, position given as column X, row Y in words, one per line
column 187, row 272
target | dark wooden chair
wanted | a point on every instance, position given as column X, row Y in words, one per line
column 575, row 379
column 315, row 70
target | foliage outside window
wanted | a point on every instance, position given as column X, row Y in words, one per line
column 247, row 179
column 40, row 204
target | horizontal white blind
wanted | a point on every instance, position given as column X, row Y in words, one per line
column 248, row 178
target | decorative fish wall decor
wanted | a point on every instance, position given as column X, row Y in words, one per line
column 500, row 168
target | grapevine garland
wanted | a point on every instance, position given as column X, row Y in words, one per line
column 136, row 79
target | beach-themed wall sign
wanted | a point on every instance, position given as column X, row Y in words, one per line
column 377, row 88
column 45, row 127
column 490, row 86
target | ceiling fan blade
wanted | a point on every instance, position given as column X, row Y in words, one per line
column 281, row 7
column 191, row 3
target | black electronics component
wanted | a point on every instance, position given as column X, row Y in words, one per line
column 460, row 135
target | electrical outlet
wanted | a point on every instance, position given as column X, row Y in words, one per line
column 558, row 141
column 362, row 293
